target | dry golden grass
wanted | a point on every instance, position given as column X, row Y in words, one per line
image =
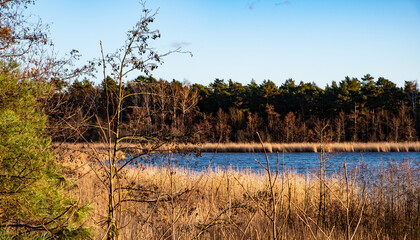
column 277, row 147
column 175, row 203
column 312, row 147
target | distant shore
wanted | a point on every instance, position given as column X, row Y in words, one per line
column 275, row 147
column 312, row 147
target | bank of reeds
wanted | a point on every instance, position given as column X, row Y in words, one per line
column 312, row 147
column 282, row 147
column 174, row 203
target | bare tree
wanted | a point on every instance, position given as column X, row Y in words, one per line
column 17, row 35
column 221, row 127
column 188, row 99
column 135, row 56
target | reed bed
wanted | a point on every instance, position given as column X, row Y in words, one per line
column 271, row 147
column 310, row 147
column 165, row 202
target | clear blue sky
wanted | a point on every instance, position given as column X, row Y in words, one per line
column 307, row 40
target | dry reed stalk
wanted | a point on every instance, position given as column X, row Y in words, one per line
column 270, row 147
column 234, row 204
column 309, row 147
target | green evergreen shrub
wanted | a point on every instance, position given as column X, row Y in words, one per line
column 34, row 196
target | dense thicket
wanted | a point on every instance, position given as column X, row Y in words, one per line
column 33, row 194
column 35, row 199
column 351, row 110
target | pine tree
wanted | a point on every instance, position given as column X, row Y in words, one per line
column 33, row 194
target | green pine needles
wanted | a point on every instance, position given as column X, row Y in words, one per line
column 34, row 197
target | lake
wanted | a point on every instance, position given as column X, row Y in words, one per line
column 297, row 162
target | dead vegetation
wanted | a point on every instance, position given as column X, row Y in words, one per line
column 167, row 202
column 311, row 147
column 275, row 147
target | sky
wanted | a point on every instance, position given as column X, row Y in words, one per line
column 316, row 41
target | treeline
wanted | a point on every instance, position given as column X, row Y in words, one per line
column 361, row 110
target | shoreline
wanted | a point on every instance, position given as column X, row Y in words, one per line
column 312, row 147
column 270, row 147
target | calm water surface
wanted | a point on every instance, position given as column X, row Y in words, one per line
column 298, row 162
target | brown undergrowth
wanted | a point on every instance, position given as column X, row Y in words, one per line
column 174, row 203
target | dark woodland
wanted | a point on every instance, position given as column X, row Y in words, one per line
column 357, row 110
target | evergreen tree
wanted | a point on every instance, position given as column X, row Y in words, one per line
column 33, row 199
